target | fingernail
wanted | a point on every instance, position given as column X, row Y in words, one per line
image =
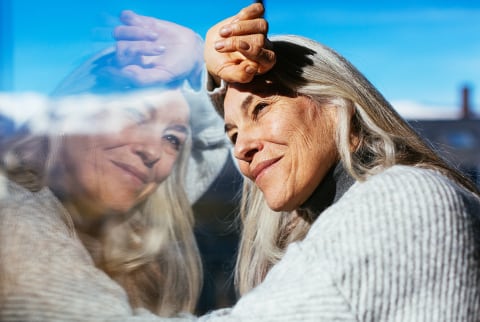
column 219, row 44
column 225, row 31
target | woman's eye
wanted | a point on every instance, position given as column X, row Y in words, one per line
column 174, row 141
column 233, row 138
column 258, row 108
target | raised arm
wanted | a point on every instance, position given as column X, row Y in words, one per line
column 153, row 51
column 237, row 48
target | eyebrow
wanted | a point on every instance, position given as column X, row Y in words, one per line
column 246, row 102
column 243, row 106
column 179, row 128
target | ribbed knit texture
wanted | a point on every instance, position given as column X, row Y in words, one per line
column 402, row 246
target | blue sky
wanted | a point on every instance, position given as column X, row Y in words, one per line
column 418, row 53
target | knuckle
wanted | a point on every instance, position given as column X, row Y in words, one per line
column 262, row 25
column 257, row 44
column 231, row 43
column 255, row 50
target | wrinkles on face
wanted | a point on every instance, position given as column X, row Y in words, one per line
column 292, row 129
column 115, row 171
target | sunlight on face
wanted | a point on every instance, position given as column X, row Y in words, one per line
column 285, row 144
column 112, row 172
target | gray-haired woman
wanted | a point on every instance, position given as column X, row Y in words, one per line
column 348, row 215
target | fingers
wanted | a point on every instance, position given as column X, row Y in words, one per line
column 242, row 72
column 145, row 76
column 255, row 10
column 130, row 18
column 128, row 52
column 236, row 49
column 246, row 34
column 253, row 47
column 245, row 27
column 133, row 33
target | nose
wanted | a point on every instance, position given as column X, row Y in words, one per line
column 246, row 147
column 149, row 153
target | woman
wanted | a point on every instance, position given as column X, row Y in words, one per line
column 385, row 229
column 95, row 222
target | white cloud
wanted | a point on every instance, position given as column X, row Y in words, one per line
column 24, row 107
column 79, row 114
column 413, row 110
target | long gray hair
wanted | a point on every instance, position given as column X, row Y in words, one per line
column 366, row 121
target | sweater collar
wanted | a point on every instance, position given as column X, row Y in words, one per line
column 336, row 182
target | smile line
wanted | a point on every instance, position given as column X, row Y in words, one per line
column 263, row 166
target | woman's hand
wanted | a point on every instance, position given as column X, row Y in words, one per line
column 152, row 51
column 237, row 48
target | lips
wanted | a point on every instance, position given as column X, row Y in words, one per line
column 142, row 176
column 262, row 166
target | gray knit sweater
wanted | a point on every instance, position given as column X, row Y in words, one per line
column 402, row 246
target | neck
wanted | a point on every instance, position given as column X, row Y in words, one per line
column 336, row 182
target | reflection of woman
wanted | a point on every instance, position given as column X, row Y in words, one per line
column 110, row 193
column 96, row 223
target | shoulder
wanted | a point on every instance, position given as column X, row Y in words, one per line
column 409, row 178
column 33, row 222
column 403, row 208
column 403, row 194
column 411, row 187
column 39, row 207
column 40, row 255
column 402, row 229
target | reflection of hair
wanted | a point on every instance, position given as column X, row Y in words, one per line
column 153, row 253
column 384, row 139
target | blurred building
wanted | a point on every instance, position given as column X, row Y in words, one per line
column 457, row 140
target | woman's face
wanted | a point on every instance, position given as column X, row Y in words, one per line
column 284, row 144
column 112, row 172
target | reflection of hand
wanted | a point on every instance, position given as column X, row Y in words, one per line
column 152, row 51
column 236, row 49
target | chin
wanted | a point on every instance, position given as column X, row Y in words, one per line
column 281, row 205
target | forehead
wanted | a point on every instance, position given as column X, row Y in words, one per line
column 261, row 86
column 161, row 107
column 237, row 99
column 264, row 85
column 239, row 94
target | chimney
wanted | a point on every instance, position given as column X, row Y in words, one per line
column 466, row 108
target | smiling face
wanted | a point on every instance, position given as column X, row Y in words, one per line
column 112, row 172
column 284, row 143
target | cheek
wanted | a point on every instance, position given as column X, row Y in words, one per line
column 243, row 167
column 78, row 155
column 164, row 167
